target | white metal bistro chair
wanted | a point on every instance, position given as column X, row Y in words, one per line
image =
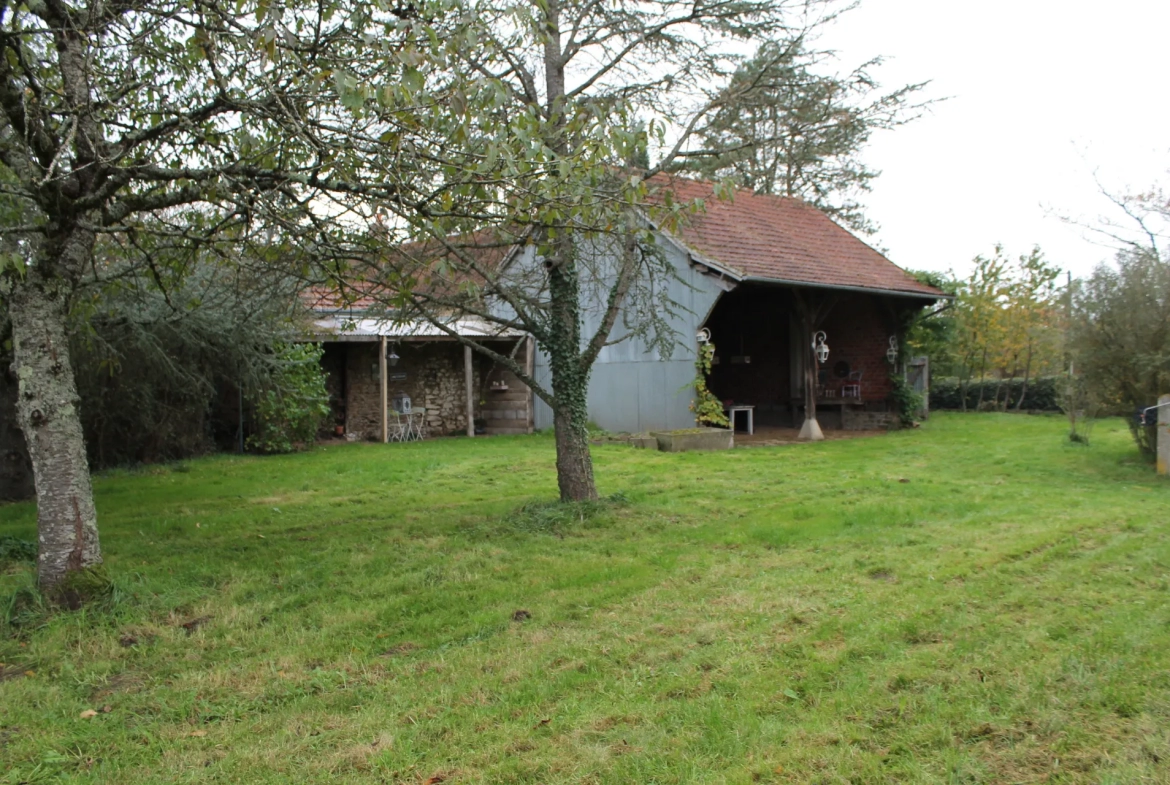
column 852, row 388
column 416, row 423
column 397, row 426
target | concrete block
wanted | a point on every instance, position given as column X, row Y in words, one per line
column 695, row 439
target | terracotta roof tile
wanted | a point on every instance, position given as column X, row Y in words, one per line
column 782, row 239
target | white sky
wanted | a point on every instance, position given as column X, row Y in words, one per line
column 1041, row 93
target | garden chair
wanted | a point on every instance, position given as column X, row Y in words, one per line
column 397, row 426
column 852, row 388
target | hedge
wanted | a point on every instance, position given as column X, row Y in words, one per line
column 1041, row 395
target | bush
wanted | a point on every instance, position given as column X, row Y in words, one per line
column 1119, row 338
column 291, row 409
column 707, row 408
column 1042, row 394
column 907, row 402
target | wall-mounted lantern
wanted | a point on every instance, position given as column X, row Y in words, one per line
column 892, row 352
column 392, row 356
column 820, row 347
column 703, row 336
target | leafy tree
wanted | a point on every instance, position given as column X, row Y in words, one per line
column 978, row 319
column 932, row 333
column 1006, row 323
column 788, row 128
column 1120, row 336
column 1033, row 333
column 525, row 118
column 152, row 123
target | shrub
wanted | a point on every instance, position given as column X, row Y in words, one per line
column 1119, row 336
column 707, row 408
column 907, row 402
column 294, row 405
column 1042, row 393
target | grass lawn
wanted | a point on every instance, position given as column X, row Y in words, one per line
column 976, row 601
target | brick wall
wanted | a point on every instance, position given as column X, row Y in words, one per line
column 859, row 333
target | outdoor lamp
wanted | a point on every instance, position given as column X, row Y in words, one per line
column 892, row 352
column 819, row 347
column 392, row 357
column 703, row 336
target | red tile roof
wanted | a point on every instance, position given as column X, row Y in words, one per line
column 782, row 239
column 369, row 289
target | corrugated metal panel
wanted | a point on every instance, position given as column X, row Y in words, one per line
column 338, row 327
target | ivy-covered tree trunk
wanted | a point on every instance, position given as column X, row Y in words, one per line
column 570, row 377
column 574, row 461
column 47, row 409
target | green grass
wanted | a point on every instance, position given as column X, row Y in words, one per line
column 976, row 601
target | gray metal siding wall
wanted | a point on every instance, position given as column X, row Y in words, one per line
column 633, row 388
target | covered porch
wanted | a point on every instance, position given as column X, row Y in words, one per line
column 763, row 347
column 391, row 381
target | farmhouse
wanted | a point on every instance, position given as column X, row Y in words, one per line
column 762, row 277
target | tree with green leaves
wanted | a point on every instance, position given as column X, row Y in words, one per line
column 789, row 127
column 1119, row 336
column 531, row 119
column 1006, row 323
column 146, row 127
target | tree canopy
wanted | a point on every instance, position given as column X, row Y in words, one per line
column 788, row 126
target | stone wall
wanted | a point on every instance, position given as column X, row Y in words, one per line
column 432, row 374
column 853, row 419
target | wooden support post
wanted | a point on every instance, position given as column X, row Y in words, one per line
column 382, row 381
column 529, row 368
column 470, row 390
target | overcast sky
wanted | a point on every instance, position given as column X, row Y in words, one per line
column 1041, row 93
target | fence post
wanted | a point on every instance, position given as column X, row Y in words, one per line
column 1164, row 435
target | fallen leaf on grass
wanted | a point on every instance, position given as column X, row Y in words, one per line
column 199, row 734
column 88, row 714
column 406, row 647
column 435, row 780
column 194, row 624
column 521, row 615
column 545, row 721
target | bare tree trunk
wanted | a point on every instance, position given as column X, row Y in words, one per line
column 965, row 380
column 982, row 386
column 1027, row 374
column 47, row 408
